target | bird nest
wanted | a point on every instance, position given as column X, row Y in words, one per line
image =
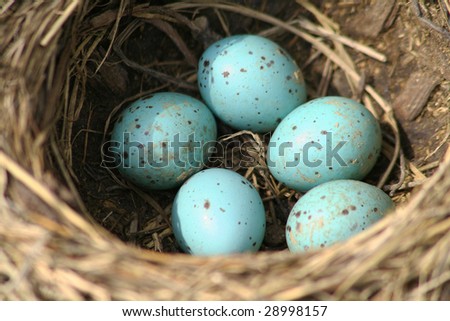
column 73, row 230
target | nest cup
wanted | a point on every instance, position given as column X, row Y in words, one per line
column 73, row 230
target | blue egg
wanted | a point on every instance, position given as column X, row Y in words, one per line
column 333, row 212
column 162, row 139
column 250, row 82
column 218, row 212
column 325, row 139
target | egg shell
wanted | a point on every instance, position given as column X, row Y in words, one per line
column 218, row 212
column 250, row 82
column 162, row 139
column 325, row 139
column 333, row 212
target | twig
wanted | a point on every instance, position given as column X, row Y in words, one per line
column 311, row 59
column 442, row 143
column 176, row 39
column 86, row 137
column 151, row 72
column 113, row 35
column 393, row 188
column 5, row 7
column 58, row 23
column 445, row 8
column 222, row 22
column 320, row 31
column 326, row 78
column 417, row 173
column 67, row 174
column 418, row 11
column 47, row 196
column 323, row 19
column 401, row 180
column 429, row 166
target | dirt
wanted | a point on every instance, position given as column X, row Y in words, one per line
column 411, row 48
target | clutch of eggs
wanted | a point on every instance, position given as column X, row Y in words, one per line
column 250, row 82
column 162, row 139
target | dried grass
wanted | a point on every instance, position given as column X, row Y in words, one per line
column 51, row 248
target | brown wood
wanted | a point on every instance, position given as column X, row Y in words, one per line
column 414, row 96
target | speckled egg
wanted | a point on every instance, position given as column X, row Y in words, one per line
column 218, row 212
column 250, row 82
column 325, row 139
column 333, row 212
column 162, row 139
